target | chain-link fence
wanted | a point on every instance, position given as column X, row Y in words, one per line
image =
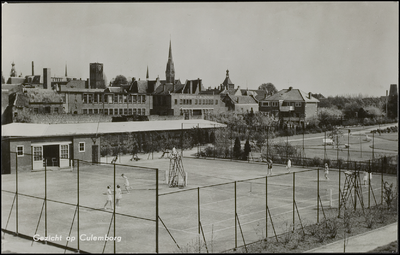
column 78, row 210
column 89, row 207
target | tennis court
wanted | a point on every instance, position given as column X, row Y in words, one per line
column 223, row 205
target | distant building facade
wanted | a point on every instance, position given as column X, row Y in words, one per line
column 96, row 76
column 291, row 105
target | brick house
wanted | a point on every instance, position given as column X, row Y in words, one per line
column 290, row 105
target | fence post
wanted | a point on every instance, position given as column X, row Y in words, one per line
column 157, row 210
column 198, row 215
column 45, row 199
column 115, row 191
column 235, row 219
column 294, row 197
column 16, row 193
column 78, row 204
column 340, row 172
column 303, row 147
column 381, row 185
column 318, row 195
column 266, row 207
column 369, row 183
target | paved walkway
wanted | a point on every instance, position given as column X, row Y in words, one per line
column 360, row 243
column 363, row 242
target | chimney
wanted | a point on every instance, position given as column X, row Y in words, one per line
column 190, row 87
column 309, row 95
column 46, row 78
column 33, row 69
column 290, row 88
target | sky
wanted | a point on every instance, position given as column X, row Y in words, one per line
column 332, row 48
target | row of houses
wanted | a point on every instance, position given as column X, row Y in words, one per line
column 156, row 97
column 160, row 98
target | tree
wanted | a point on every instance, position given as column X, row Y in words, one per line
column 269, row 87
column 119, row 80
column 212, row 137
column 329, row 115
column 336, row 134
column 350, row 109
column 247, row 148
column 237, row 150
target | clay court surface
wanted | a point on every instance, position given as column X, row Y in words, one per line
column 135, row 220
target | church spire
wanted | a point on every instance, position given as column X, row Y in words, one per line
column 170, row 71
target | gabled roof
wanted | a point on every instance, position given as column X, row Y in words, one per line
column 81, row 90
column 291, row 95
column 241, row 99
column 75, row 84
column 167, row 88
column 45, row 130
column 196, row 85
column 258, row 94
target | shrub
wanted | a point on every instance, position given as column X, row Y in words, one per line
column 313, row 229
column 288, row 235
column 388, row 194
column 370, row 218
column 348, row 224
column 320, row 234
column 317, row 161
column 209, row 151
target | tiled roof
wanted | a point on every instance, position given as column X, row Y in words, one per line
column 169, row 88
column 227, row 81
column 291, row 95
column 43, row 130
column 242, row 99
column 75, row 84
column 196, row 85
column 258, row 94
column 142, row 87
column 63, row 89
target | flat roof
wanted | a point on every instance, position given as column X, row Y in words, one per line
column 44, row 130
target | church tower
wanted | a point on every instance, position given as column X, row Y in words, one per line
column 170, row 71
column 13, row 72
